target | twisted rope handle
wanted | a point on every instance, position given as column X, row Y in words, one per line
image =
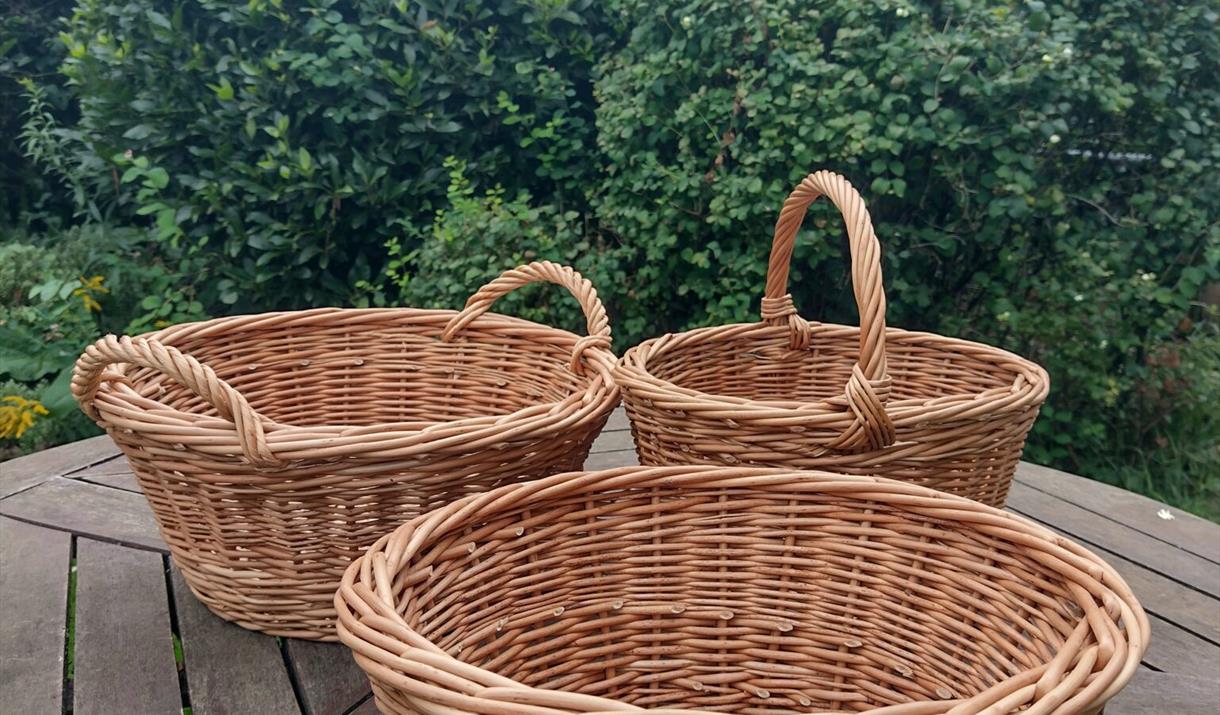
column 148, row 352
column 868, row 388
column 598, row 325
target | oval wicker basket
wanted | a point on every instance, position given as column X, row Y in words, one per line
column 275, row 448
column 942, row 412
column 734, row 589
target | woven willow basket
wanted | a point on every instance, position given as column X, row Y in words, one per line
column 734, row 589
column 946, row 413
column 275, row 448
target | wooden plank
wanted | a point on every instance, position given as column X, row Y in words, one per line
column 1173, row 650
column 229, row 669
column 1185, row 531
column 612, row 442
column 329, row 680
column 1150, row 692
column 610, row 460
column 114, row 465
column 24, row 472
column 125, row 481
column 34, row 566
column 617, row 421
column 124, row 655
column 368, row 707
column 1185, row 607
column 1085, row 526
column 89, row 510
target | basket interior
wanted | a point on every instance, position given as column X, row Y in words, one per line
column 738, row 600
column 758, row 365
column 360, row 374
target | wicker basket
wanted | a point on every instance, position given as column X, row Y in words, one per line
column 941, row 412
column 275, row 448
column 734, row 589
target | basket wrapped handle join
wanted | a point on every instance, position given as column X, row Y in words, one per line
column 90, row 373
column 597, row 339
column 868, row 388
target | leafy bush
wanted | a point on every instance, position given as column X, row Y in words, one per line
column 29, row 51
column 480, row 235
column 56, row 297
column 292, row 140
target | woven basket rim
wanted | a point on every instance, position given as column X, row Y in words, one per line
column 379, row 440
column 1028, row 377
column 1103, row 581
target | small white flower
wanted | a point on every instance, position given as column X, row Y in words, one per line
column 1055, row 139
column 1104, row 343
column 688, row 22
column 1003, row 317
column 1078, row 297
column 1148, row 277
column 1047, row 59
column 128, row 154
column 1165, row 514
column 902, row 12
column 1067, row 51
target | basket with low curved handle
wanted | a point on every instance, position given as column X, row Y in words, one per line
column 273, row 448
column 867, row 389
column 148, row 352
column 597, row 323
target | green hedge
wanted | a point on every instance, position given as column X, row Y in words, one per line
column 1042, row 174
column 293, row 139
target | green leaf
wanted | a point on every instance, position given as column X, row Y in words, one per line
column 158, row 177
column 139, row 131
column 224, row 90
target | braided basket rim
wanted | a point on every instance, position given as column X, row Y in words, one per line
column 633, row 370
column 374, row 441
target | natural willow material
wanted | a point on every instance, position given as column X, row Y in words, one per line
column 274, row 448
column 946, row 413
column 734, row 589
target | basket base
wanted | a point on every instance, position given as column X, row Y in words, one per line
column 305, row 619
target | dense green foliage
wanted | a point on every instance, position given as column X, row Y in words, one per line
column 29, row 52
column 1042, row 175
column 294, row 139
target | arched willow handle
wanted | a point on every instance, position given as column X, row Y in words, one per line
column 868, row 388
column 598, row 325
column 200, row 379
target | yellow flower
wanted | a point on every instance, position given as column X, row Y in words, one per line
column 17, row 415
column 88, row 291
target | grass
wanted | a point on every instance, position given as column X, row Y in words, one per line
column 70, row 648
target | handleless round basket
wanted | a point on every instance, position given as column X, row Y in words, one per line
column 275, row 448
column 933, row 410
column 704, row 589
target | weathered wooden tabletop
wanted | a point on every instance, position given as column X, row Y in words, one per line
column 95, row 619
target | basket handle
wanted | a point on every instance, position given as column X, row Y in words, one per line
column 868, row 388
column 598, row 337
column 148, row 352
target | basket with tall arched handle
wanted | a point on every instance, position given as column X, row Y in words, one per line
column 275, row 448
column 939, row 411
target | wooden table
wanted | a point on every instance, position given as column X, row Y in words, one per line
column 83, row 572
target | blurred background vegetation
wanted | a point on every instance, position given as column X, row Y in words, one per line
column 1043, row 177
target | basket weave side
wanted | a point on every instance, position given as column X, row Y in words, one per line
column 741, row 590
column 942, row 412
column 275, row 448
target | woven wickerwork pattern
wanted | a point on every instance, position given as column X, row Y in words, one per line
column 274, row 448
column 739, row 590
column 946, row 413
